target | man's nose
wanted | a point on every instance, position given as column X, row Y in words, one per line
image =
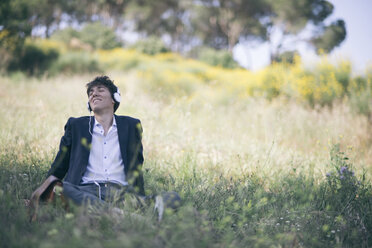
column 95, row 93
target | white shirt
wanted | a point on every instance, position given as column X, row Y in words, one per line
column 105, row 163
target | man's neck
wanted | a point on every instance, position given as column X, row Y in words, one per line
column 105, row 119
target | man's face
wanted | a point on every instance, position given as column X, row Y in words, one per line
column 100, row 99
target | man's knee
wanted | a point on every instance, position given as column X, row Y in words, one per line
column 78, row 194
column 171, row 200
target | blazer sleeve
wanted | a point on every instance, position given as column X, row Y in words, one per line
column 61, row 162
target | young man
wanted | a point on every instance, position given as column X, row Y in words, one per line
column 100, row 157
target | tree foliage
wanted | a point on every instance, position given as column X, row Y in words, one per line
column 34, row 60
column 219, row 24
column 99, row 36
column 151, row 46
column 14, row 25
column 291, row 17
column 162, row 18
column 331, row 36
column 217, row 58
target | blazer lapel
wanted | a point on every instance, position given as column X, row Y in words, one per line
column 122, row 127
column 86, row 139
column 90, row 127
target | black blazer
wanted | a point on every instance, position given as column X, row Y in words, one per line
column 72, row 158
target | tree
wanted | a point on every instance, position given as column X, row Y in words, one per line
column 14, row 23
column 330, row 36
column 46, row 13
column 92, row 36
column 99, row 36
column 224, row 23
column 109, row 12
column 14, row 28
column 161, row 18
column 218, row 24
column 291, row 17
column 221, row 24
column 50, row 13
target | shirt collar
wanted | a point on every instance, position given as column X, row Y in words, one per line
column 97, row 124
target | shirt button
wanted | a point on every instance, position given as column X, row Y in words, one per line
column 105, row 169
column 104, row 143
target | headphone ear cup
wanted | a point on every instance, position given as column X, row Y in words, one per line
column 117, row 97
column 88, row 107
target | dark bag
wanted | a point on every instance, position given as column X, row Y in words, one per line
column 46, row 193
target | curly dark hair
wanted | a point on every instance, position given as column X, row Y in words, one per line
column 106, row 82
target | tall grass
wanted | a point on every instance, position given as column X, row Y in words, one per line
column 251, row 172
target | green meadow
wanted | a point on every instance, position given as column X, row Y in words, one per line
column 281, row 157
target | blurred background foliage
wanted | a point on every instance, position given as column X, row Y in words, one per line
column 92, row 36
column 151, row 45
column 172, row 75
column 183, row 25
column 172, row 38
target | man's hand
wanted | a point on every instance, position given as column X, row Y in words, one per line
column 39, row 191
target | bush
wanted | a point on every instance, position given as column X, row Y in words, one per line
column 120, row 59
column 65, row 35
column 286, row 57
column 361, row 95
column 99, row 36
column 151, row 46
column 74, row 63
column 168, row 83
column 216, row 57
column 5, row 58
column 348, row 200
column 94, row 35
column 34, row 59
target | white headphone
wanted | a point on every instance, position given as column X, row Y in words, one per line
column 116, row 96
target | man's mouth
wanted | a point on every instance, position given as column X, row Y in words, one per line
column 95, row 100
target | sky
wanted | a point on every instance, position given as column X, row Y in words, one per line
column 357, row 47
